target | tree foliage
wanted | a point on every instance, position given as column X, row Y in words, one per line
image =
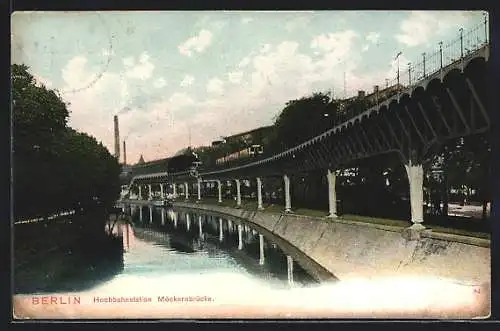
column 55, row 167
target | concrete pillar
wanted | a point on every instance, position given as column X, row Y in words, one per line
column 289, row 263
column 261, row 245
column 200, row 227
column 188, row 222
column 199, row 190
column 221, row 232
column 186, row 190
column 219, row 188
column 150, row 196
column 288, row 203
column 140, row 214
column 174, row 185
column 240, row 237
column 238, row 192
column 162, row 192
column 162, row 216
column 150, row 214
column 332, row 194
column 259, row 194
column 140, row 192
column 415, row 172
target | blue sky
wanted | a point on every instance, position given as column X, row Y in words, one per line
column 218, row 72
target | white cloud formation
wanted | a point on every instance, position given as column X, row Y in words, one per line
column 143, row 69
column 215, row 85
column 42, row 81
column 373, row 37
column 94, row 98
column 187, row 81
column 197, row 43
column 244, row 62
column 235, row 76
column 160, row 82
column 265, row 48
column 422, row 25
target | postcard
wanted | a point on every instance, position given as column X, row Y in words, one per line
column 251, row 165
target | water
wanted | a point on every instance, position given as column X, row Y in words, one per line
column 173, row 268
column 168, row 242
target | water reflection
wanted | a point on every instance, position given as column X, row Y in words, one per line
column 217, row 241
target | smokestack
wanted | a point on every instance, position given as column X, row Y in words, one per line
column 124, row 153
column 117, row 139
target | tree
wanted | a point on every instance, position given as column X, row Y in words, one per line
column 55, row 167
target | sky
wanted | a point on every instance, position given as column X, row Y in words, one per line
column 176, row 78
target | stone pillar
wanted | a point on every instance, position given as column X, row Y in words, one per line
column 221, row 232
column 174, row 186
column 415, row 174
column 150, row 196
column 259, row 194
column 332, row 195
column 162, row 192
column 140, row 214
column 240, row 237
column 261, row 245
column 150, row 214
column 186, row 190
column 200, row 227
column 188, row 222
column 289, row 263
column 219, row 188
column 199, row 190
column 238, row 192
column 175, row 220
column 140, row 192
column 288, row 204
column 163, row 216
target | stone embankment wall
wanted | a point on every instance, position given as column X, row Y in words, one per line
column 353, row 250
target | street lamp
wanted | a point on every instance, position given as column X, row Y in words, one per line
column 397, row 58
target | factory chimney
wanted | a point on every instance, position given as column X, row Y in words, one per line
column 124, row 153
column 117, row 139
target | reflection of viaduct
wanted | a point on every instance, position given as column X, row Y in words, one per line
column 188, row 232
column 451, row 102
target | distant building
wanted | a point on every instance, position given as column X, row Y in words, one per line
column 141, row 160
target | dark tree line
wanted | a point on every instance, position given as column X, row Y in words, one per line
column 55, row 167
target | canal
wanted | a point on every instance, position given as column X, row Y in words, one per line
column 187, row 264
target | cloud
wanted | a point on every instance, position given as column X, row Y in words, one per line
column 160, row 82
column 43, row 81
column 215, row 85
column 420, row 26
column 235, row 77
column 244, row 62
column 265, row 48
column 143, row 69
column 373, row 37
column 187, row 81
column 246, row 20
column 197, row 43
column 94, row 98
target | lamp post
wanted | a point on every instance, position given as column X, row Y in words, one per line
column 423, row 56
column 461, row 30
column 485, row 15
column 409, row 73
column 397, row 59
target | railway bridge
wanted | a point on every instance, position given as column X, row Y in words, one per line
column 440, row 103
